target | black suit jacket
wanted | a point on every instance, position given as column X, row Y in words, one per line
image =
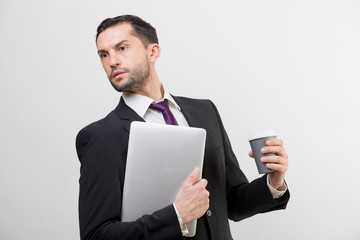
column 102, row 150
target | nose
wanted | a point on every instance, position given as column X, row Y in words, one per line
column 114, row 60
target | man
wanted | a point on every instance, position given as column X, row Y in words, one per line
column 128, row 49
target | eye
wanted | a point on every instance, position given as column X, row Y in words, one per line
column 103, row 55
column 123, row 48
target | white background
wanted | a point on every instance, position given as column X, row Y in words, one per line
column 291, row 66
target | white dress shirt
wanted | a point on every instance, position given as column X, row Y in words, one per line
column 140, row 104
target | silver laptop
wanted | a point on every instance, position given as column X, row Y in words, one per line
column 160, row 158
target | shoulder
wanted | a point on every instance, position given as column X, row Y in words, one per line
column 105, row 130
column 110, row 123
column 203, row 105
column 190, row 100
column 100, row 125
column 193, row 101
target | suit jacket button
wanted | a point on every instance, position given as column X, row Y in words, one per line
column 208, row 213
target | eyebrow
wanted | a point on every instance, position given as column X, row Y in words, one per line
column 116, row 46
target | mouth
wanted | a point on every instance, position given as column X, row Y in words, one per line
column 118, row 74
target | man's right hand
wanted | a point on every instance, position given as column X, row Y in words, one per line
column 192, row 200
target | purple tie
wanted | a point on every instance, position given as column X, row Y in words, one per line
column 163, row 107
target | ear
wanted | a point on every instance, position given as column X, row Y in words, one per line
column 154, row 52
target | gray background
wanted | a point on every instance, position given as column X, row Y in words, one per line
column 291, row 66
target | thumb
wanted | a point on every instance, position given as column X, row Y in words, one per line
column 193, row 177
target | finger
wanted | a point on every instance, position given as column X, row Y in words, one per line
column 251, row 154
column 201, row 184
column 274, row 142
column 193, row 177
column 203, row 198
column 277, row 167
column 276, row 161
column 273, row 159
column 279, row 150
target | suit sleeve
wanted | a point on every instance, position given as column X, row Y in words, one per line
column 246, row 199
column 101, row 196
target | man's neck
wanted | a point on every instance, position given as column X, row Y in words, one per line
column 152, row 89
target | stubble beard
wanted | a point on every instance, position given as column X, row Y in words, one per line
column 137, row 77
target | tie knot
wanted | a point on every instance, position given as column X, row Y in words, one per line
column 160, row 106
column 163, row 107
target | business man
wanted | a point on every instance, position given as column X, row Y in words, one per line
column 128, row 49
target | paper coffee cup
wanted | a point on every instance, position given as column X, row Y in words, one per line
column 257, row 141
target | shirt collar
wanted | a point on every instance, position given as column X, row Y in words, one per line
column 140, row 103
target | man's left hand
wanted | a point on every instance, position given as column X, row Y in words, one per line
column 278, row 163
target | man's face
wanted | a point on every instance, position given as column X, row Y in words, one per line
column 123, row 57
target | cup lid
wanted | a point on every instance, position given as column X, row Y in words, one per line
column 257, row 135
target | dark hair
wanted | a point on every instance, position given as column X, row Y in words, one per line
column 143, row 30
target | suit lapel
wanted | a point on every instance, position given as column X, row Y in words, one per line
column 190, row 113
column 128, row 115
